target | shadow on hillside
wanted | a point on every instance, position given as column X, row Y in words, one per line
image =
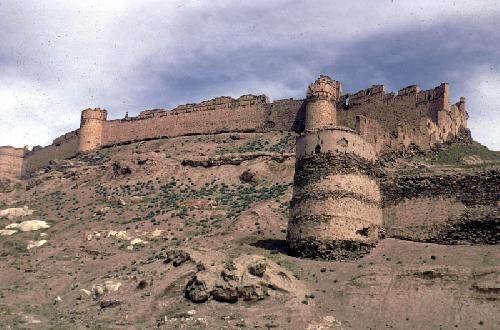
column 273, row 245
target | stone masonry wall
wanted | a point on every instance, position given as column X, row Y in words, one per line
column 11, row 161
column 385, row 120
column 64, row 147
column 446, row 209
column 394, row 121
column 335, row 210
column 247, row 114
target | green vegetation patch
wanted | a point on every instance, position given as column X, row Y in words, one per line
column 454, row 154
column 250, row 146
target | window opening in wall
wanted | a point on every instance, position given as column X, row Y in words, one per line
column 317, row 150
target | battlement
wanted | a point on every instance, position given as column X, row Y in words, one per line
column 378, row 94
column 387, row 120
column 222, row 102
column 66, row 137
column 96, row 114
column 218, row 103
column 324, row 88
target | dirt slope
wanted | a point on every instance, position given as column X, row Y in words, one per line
column 132, row 225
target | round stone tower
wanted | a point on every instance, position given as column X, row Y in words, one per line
column 91, row 127
column 335, row 209
column 320, row 107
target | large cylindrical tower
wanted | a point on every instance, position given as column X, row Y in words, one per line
column 335, row 210
column 91, row 128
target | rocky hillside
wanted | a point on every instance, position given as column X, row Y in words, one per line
column 189, row 233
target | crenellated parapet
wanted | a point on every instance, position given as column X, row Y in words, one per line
column 435, row 99
column 324, row 88
column 320, row 111
column 222, row 102
column 386, row 120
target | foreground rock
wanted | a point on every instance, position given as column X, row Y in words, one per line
column 247, row 278
column 29, row 225
column 16, row 212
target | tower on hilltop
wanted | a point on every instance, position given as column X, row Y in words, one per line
column 91, row 128
column 335, row 210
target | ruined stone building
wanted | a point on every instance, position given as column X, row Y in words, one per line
column 336, row 210
column 387, row 121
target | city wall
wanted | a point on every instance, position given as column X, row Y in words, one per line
column 386, row 120
column 443, row 208
column 64, row 147
column 393, row 121
column 11, row 161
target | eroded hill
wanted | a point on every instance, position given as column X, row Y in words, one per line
column 189, row 232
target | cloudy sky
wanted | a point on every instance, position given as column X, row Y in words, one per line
column 59, row 57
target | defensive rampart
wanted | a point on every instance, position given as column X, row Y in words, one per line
column 64, row 147
column 11, row 161
column 385, row 120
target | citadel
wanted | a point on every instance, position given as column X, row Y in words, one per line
column 336, row 208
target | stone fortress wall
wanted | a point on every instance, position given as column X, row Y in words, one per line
column 386, row 120
column 335, row 212
column 11, row 161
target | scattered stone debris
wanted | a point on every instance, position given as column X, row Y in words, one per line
column 155, row 233
column 29, row 225
column 247, row 176
column 34, row 244
column 103, row 210
column 119, row 234
column 109, row 303
column 120, row 169
column 327, row 322
column 100, row 290
column 7, row 185
column 235, row 159
column 177, row 257
column 136, row 241
column 7, row 232
column 16, row 212
column 87, row 292
column 257, row 269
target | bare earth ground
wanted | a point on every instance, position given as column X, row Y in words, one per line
column 187, row 194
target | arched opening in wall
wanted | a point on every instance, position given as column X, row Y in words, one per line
column 317, row 150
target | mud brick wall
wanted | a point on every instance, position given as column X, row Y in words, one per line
column 394, row 121
column 11, row 161
column 387, row 121
column 335, row 210
column 447, row 209
column 64, row 147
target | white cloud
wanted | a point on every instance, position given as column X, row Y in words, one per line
column 484, row 106
column 59, row 57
